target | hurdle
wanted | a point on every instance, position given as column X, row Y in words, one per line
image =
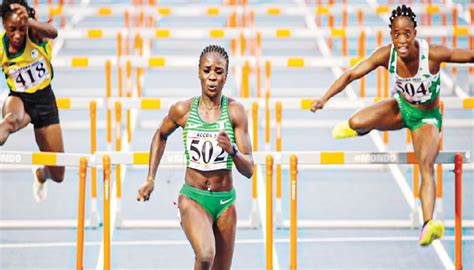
column 173, row 159
column 305, row 158
column 224, row 10
column 359, row 158
column 296, row 158
column 49, row 159
column 53, row 159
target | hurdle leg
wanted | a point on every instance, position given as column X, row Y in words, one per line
column 458, row 211
column 80, row 213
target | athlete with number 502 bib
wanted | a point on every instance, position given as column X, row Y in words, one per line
column 25, row 56
column 415, row 67
column 215, row 135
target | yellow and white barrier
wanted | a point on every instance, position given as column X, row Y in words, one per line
column 186, row 61
column 227, row 10
column 264, row 32
column 177, row 158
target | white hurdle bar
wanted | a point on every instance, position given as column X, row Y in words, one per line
column 266, row 32
column 177, row 158
column 272, row 10
column 287, row 103
column 190, row 62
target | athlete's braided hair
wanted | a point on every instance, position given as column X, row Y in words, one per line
column 217, row 49
column 402, row 11
column 6, row 10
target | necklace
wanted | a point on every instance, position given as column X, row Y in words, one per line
column 210, row 108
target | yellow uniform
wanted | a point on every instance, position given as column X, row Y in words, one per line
column 30, row 69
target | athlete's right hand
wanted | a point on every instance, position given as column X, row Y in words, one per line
column 20, row 12
column 317, row 104
column 144, row 192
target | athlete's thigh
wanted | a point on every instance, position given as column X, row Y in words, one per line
column 15, row 105
column 197, row 225
column 426, row 142
column 50, row 138
column 382, row 115
column 224, row 232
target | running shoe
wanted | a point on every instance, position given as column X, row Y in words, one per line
column 40, row 190
column 431, row 231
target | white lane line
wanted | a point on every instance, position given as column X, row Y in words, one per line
column 238, row 241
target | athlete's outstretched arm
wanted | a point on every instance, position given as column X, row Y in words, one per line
column 158, row 144
column 452, row 55
column 38, row 29
column 243, row 160
column 379, row 57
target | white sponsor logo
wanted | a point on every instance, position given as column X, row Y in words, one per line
column 34, row 53
column 431, row 121
column 225, row 201
column 376, row 158
column 10, row 158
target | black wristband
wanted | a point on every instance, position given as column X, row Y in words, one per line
column 235, row 150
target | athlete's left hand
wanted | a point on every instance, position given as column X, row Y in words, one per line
column 223, row 140
column 21, row 13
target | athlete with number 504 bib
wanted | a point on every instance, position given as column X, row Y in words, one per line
column 415, row 67
column 25, row 56
column 215, row 135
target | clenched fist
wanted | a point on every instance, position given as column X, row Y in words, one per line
column 144, row 192
column 317, row 104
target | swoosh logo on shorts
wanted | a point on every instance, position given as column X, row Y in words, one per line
column 225, row 201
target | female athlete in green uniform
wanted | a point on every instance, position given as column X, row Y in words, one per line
column 215, row 135
column 415, row 67
column 25, row 56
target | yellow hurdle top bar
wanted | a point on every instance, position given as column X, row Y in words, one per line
column 177, row 158
column 147, row 103
column 220, row 10
column 266, row 32
column 167, row 61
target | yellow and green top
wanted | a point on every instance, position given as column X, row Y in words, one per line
column 30, row 69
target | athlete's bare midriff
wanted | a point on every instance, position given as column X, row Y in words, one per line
column 219, row 180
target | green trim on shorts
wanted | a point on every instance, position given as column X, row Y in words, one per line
column 413, row 117
column 215, row 203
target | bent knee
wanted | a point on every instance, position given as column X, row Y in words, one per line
column 13, row 121
column 357, row 123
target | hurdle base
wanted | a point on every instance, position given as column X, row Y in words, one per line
column 241, row 224
column 43, row 224
column 167, row 224
column 366, row 224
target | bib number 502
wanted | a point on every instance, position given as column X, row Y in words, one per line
column 206, row 152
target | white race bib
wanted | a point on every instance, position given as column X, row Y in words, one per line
column 30, row 76
column 413, row 90
column 204, row 152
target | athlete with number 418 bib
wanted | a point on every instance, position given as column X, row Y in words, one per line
column 415, row 67
column 215, row 135
column 25, row 56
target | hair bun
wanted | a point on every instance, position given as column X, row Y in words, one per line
column 31, row 12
